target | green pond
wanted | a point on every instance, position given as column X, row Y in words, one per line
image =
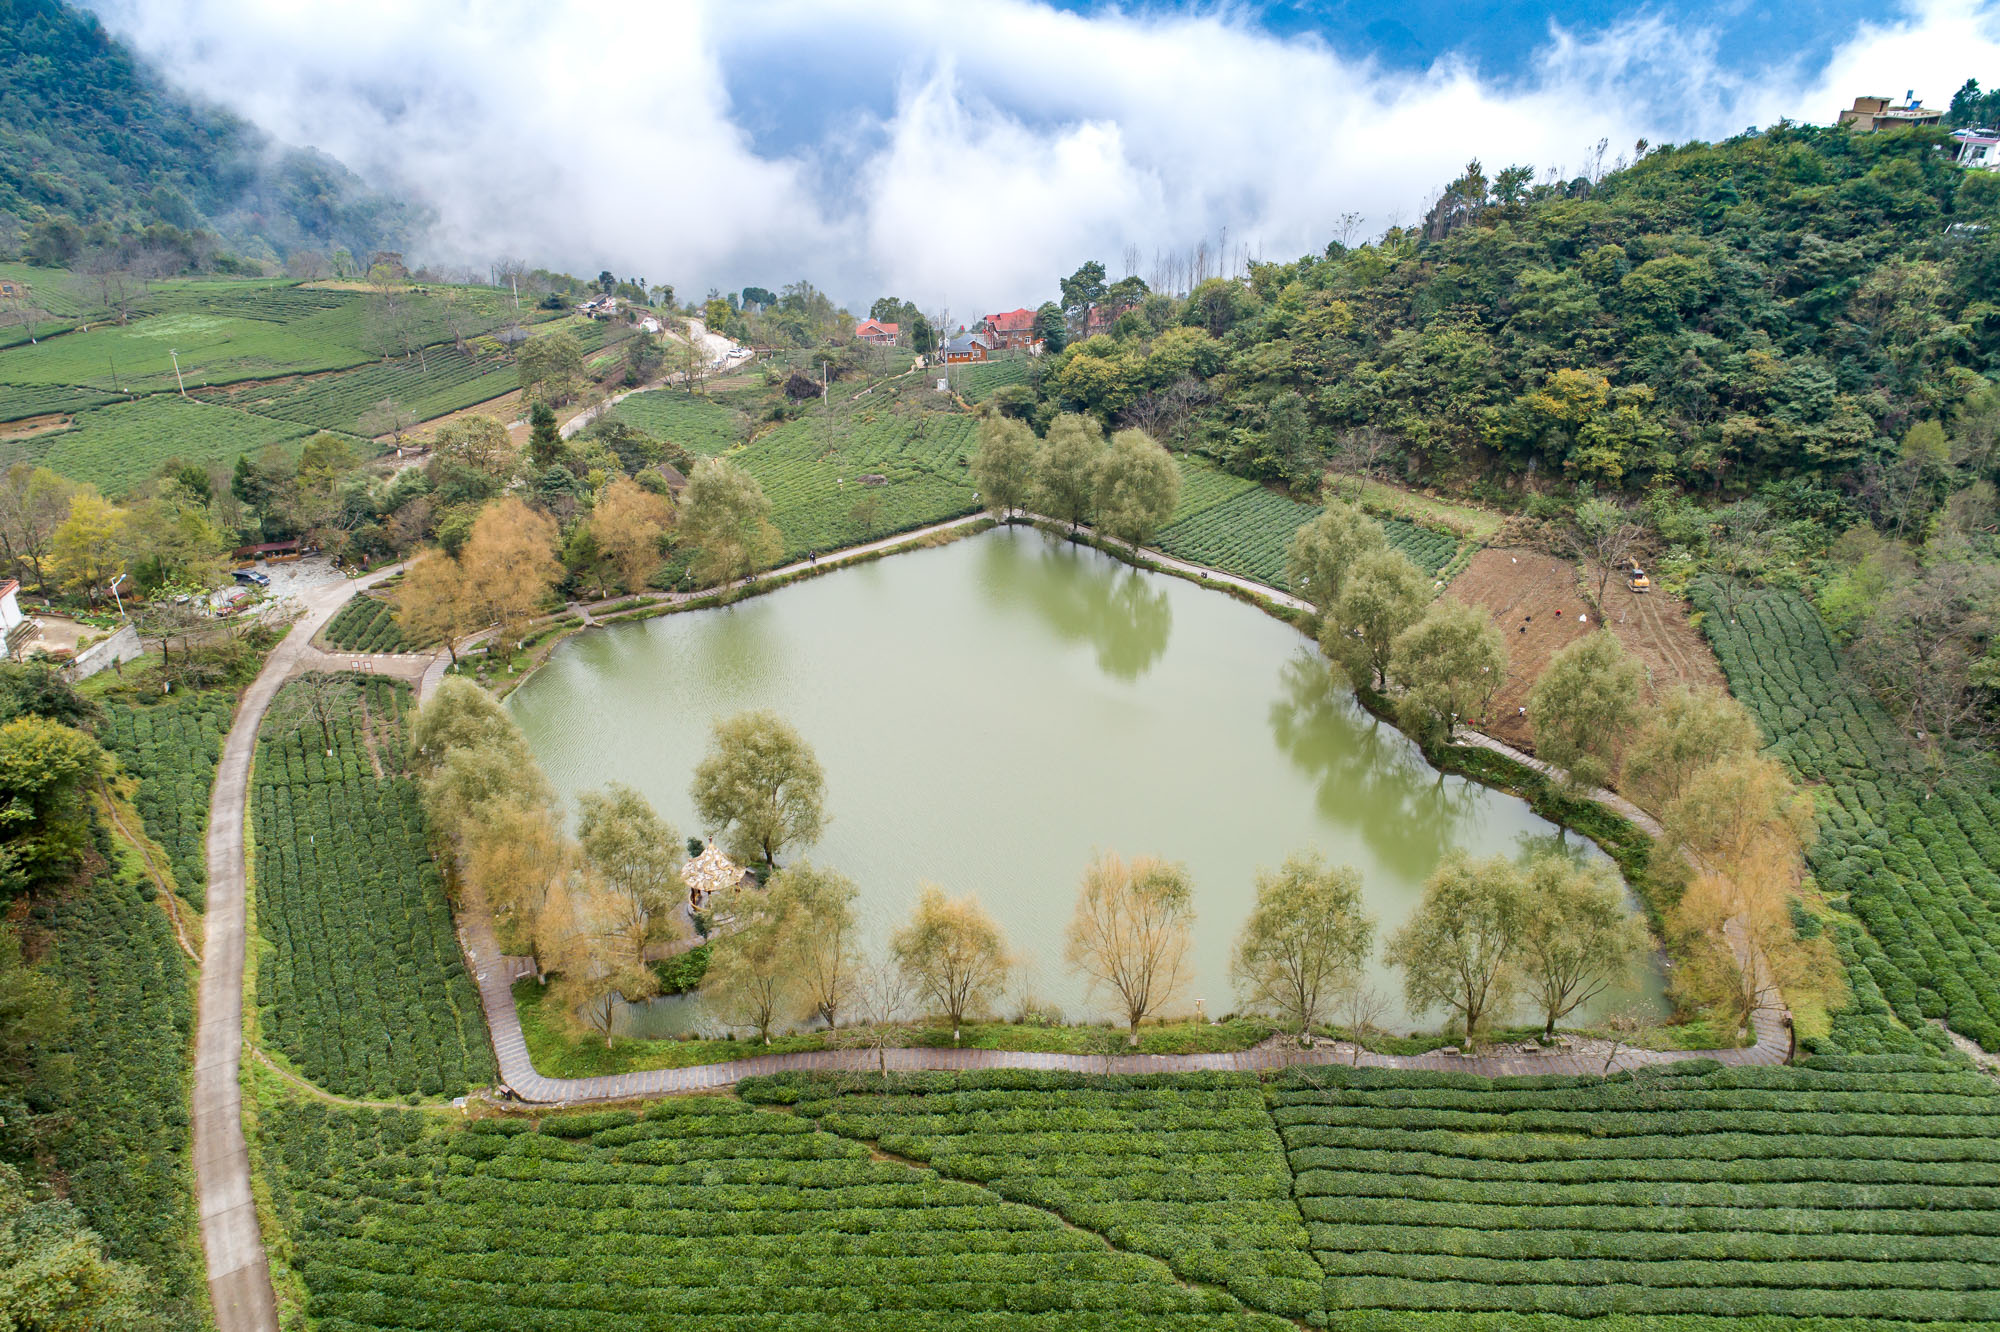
column 992, row 712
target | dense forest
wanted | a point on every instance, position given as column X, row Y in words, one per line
column 96, row 153
column 1783, row 305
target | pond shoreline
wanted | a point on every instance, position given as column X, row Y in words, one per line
column 1487, row 766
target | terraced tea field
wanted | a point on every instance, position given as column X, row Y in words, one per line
column 1236, row 525
column 360, row 983
column 117, row 447
column 813, row 476
column 1852, row 1189
column 1919, row 871
column 700, row 1213
column 698, row 423
column 172, row 747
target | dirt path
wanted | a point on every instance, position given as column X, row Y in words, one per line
column 239, row 1276
column 1533, row 600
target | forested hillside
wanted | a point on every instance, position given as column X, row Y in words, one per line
column 1783, row 304
column 96, row 150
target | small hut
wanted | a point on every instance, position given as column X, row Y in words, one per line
column 711, row 873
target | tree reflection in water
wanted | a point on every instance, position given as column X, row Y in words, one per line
column 1367, row 776
column 1124, row 616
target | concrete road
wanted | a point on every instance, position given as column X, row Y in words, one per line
column 239, row 1275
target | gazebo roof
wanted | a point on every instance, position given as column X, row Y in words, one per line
column 711, row 872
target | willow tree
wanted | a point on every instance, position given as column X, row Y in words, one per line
column 1003, row 467
column 1584, row 706
column 1685, row 731
column 952, row 952
column 1136, row 488
column 1066, row 469
column 1322, row 552
column 817, row 908
column 1576, row 937
column 1449, row 663
column 725, row 518
column 1457, row 950
column 1382, row 595
column 1304, row 943
column 1130, row 933
column 760, row 788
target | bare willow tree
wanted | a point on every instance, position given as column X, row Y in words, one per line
column 883, row 997
column 1603, row 533
column 1131, row 931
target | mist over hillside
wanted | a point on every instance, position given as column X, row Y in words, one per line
column 98, row 152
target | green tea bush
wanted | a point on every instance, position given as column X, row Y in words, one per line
column 359, row 978
column 366, row 624
column 172, row 747
column 704, row 1213
column 1189, row 1171
column 1862, row 1188
column 122, row 1145
column 1919, row 871
column 1248, row 532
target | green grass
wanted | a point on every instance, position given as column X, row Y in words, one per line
column 700, row 424
column 704, row 1213
column 360, row 984
column 557, row 1051
column 117, row 447
column 1855, row 1189
column 215, row 346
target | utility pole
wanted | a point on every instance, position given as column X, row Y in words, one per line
column 177, row 372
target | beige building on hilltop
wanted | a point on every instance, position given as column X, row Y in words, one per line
column 1869, row 114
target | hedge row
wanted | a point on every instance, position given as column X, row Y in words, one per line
column 1192, row 1173
column 399, row 1220
column 1861, row 1188
column 360, row 982
column 123, row 1146
column 1920, row 869
column 172, row 747
column 366, row 624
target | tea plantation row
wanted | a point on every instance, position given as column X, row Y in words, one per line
column 359, row 979
column 704, row 1213
column 1856, row 1189
column 1238, row 526
column 1188, row 1170
column 172, row 747
column 1920, row 871
column 121, row 1142
column 366, row 624
column 1860, row 1191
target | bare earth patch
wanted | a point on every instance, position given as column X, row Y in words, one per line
column 1524, row 590
column 1535, row 600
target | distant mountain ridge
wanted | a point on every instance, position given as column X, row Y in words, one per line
column 96, row 150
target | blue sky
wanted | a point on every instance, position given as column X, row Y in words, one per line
column 964, row 156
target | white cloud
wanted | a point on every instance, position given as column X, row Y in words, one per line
column 1021, row 140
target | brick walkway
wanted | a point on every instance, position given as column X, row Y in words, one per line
column 496, row 974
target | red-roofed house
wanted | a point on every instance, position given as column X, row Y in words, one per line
column 1011, row 330
column 879, row 333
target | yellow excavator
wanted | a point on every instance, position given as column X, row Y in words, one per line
column 1635, row 577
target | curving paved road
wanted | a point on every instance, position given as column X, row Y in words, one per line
column 239, row 1276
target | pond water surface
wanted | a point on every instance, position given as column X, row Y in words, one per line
column 991, row 712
